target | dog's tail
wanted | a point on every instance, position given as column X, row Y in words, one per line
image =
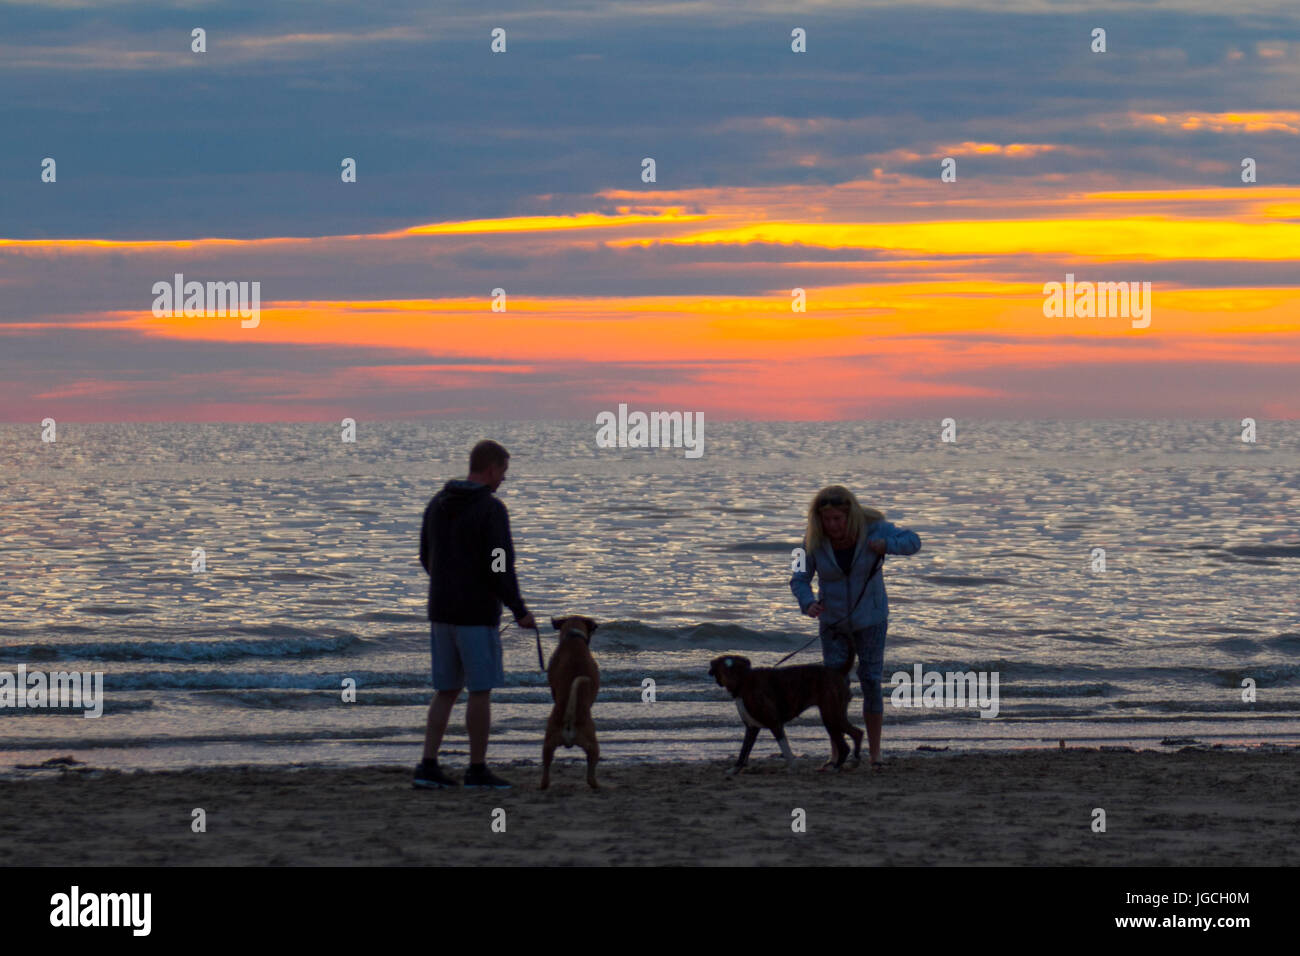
column 569, row 733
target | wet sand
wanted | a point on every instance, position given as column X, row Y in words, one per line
column 1202, row 807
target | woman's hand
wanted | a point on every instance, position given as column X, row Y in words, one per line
column 814, row 609
column 877, row 545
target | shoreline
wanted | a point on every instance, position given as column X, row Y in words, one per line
column 185, row 756
column 1033, row 807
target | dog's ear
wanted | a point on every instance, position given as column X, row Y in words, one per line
column 557, row 622
column 591, row 626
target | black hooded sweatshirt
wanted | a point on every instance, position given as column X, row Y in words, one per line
column 463, row 525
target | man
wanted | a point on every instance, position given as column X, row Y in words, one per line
column 466, row 548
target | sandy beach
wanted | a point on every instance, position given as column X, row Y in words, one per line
column 1027, row 808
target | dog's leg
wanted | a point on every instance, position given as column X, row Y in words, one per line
column 834, row 723
column 548, row 752
column 779, row 734
column 593, row 755
column 857, row 741
column 836, row 757
column 839, row 750
column 835, row 718
column 751, row 734
column 852, row 731
column 586, row 739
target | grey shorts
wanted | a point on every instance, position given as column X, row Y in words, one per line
column 466, row 656
column 869, row 643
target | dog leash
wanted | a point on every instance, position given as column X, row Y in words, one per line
column 880, row 560
column 541, row 662
column 801, row 650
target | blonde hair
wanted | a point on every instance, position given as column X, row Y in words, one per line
column 837, row 496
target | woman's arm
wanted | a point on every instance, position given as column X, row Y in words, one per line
column 801, row 582
column 896, row 540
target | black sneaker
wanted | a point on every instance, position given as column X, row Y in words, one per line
column 484, row 779
column 429, row 777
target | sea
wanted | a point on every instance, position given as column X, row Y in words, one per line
column 1132, row 584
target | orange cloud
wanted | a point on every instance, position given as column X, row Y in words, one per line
column 968, row 148
column 1276, row 121
column 536, row 225
column 750, row 353
column 1152, row 238
column 884, row 318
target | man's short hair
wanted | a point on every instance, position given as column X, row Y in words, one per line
column 486, row 454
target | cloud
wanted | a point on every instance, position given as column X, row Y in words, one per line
column 1276, row 121
column 522, row 171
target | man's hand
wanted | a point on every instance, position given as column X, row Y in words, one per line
column 526, row 621
column 815, row 609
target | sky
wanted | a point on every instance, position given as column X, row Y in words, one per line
column 523, row 171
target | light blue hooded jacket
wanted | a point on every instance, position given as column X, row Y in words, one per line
column 836, row 593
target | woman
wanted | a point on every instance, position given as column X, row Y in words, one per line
column 844, row 545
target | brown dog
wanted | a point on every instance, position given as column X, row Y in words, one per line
column 574, row 680
column 772, row 697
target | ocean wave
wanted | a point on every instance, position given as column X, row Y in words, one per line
column 962, row 580
column 191, row 650
column 112, row 610
column 328, row 697
column 677, row 682
column 638, row 636
column 1266, row 550
column 228, row 680
column 1271, row 675
column 108, row 706
column 173, row 740
column 785, row 547
column 1234, row 705
column 1057, row 690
